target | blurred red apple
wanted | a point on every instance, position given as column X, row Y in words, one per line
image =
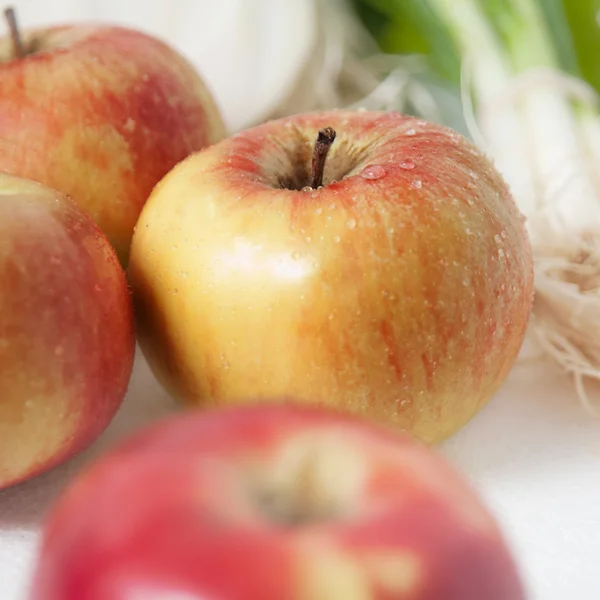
column 272, row 502
column 399, row 290
column 66, row 330
column 100, row 113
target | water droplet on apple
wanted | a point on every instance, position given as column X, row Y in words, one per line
column 318, row 211
column 416, row 183
column 502, row 287
column 410, row 131
column 407, row 164
column 332, row 205
column 336, row 239
column 503, row 234
column 465, row 282
column 498, row 239
column 373, row 172
column 306, row 188
column 501, row 253
column 470, row 201
column 473, row 175
column 468, row 231
column 351, row 223
column 296, row 255
column 391, row 230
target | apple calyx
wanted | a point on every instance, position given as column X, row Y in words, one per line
column 19, row 50
column 302, row 499
column 325, row 138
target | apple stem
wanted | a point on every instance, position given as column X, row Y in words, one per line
column 15, row 34
column 325, row 138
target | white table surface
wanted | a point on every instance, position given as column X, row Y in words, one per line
column 533, row 453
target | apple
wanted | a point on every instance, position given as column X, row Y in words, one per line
column 100, row 113
column 66, row 330
column 272, row 501
column 400, row 289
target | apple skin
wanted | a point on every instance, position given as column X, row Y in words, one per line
column 404, row 298
column 101, row 113
column 66, row 330
column 174, row 511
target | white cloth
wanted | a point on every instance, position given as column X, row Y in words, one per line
column 533, row 454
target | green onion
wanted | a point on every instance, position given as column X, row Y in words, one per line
column 528, row 74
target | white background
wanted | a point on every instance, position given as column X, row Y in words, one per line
column 533, row 453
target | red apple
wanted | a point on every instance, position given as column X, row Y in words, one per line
column 272, row 502
column 399, row 290
column 66, row 330
column 101, row 113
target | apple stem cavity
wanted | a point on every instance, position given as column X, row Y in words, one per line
column 303, row 500
column 17, row 42
column 325, row 138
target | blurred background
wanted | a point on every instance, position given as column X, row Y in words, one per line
column 519, row 77
column 267, row 57
column 301, row 54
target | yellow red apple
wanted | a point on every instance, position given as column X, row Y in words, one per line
column 101, row 113
column 66, row 330
column 399, row 290
column 269, row 502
